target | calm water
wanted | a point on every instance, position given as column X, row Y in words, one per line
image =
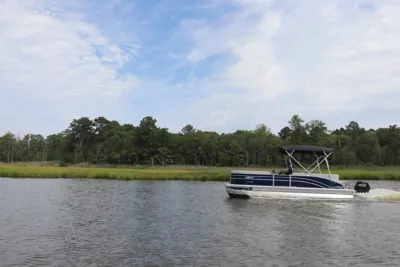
column 117, row 223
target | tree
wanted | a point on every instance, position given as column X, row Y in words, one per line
column 103, row 141
column 146, row 139
column 354, row 130
column 7, row 145
column 317, row 132
column 298, row 133
column 81, row 133
column 284, row 133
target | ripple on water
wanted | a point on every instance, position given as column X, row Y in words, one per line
column 119, row 223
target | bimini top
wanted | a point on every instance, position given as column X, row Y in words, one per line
column 305, row 149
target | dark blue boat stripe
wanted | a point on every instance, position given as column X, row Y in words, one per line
column 264, row 176
column 298, row 179
column 294, row 181
column 283, row 180
column 315, row 179
column 305, row 182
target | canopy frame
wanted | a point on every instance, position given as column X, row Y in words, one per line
column 323, row 157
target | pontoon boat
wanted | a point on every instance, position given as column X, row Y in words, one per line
column 244, row 183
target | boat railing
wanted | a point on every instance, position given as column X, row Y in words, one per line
column 277, row 176
column 331, row 176
column 273, row 178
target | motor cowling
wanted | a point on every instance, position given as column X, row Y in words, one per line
column 362, row 187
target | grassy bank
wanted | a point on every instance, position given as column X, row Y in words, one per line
column 114, row 173
column 189, row 173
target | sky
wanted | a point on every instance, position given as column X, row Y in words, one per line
column 219, row 65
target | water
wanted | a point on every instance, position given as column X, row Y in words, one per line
column 71, row 222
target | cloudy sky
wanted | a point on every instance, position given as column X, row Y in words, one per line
column 217, row 64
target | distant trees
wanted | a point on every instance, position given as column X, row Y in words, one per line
column 101, row 141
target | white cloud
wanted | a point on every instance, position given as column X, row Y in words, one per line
column 315, row 58
column 331, row 60
column 363, row 59
column 56, row 65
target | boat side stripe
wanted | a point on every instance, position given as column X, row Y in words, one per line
column 267, row 177
column 305, row 182
column 294, row 179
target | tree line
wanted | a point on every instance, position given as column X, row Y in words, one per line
column 101, row 141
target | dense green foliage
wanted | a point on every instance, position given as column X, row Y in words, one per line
column 101, row 141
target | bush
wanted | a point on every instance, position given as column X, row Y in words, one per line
column 62, row 164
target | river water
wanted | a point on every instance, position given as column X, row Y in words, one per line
column 78, row 222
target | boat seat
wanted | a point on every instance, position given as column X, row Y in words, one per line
column 288, row 172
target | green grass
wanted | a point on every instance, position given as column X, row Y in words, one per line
column 114, row 173
column 190, row 173
column 369, row 175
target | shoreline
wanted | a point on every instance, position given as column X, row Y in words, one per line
column 159, row 173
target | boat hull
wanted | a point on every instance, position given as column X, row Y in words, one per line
column 249, row 191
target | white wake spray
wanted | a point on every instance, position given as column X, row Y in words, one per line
column 380, row 194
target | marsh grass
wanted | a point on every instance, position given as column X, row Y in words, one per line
column 114, row 173
column 190, row 173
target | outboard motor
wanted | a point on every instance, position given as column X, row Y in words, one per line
column 361, row 187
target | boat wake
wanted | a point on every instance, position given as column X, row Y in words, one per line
column 380, row 194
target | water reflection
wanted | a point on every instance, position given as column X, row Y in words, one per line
column 121, row 223
column 308, row 232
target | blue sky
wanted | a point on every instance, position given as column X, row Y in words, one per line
column 219, row 65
